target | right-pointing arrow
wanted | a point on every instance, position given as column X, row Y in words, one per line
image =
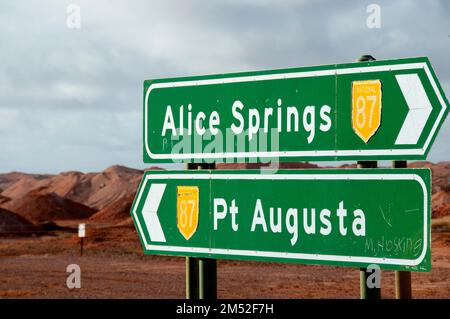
column 419, row 108
column 150, row 212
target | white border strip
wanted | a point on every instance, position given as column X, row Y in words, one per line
column 285, row 255
column 380, row 68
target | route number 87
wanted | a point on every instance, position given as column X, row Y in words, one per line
column 366, row 108
column 361, row 103
column 187, row 207
column 187, row 210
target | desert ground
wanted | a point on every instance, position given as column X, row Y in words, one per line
column 113, row 266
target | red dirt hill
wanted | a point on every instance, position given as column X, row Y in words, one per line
column 440, row 172
column 441, row 203
column 117, row 211
column 4, row 199
column 40, row 206
column 12, row 224
column 6, row 180
column 71, row 194
column 96, row 190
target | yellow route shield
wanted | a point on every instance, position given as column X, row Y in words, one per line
column 187, row 210
column 366, row 108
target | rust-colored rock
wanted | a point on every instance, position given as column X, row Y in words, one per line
column 40, row 206
column 116, row 211
column 12, row 224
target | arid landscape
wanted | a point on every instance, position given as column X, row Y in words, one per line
column 39, row 216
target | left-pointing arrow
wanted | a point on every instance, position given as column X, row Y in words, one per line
column 150, row 212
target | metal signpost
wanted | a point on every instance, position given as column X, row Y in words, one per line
column 81, row 235
column 365, row 111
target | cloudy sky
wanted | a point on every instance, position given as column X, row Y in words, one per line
column 71, row 98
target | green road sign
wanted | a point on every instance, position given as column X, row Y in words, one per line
column 367, row 110
column 347, row 217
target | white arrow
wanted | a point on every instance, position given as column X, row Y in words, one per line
column 419, row 108
column 150, row 212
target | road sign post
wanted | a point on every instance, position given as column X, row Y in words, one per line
column 364, row 111
column 207, row 278
column 201, row 273
column 403, row 289
column 341, row 217
column 81, row 235
column 192, row 266
column 367, row 292
column 403, row 284
column 192, row 278
column 369, row 110
column 361, row 92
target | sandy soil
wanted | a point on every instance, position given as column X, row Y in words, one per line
column 113, row 266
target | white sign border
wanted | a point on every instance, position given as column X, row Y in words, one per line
column 325, row 153
column 286, row 255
